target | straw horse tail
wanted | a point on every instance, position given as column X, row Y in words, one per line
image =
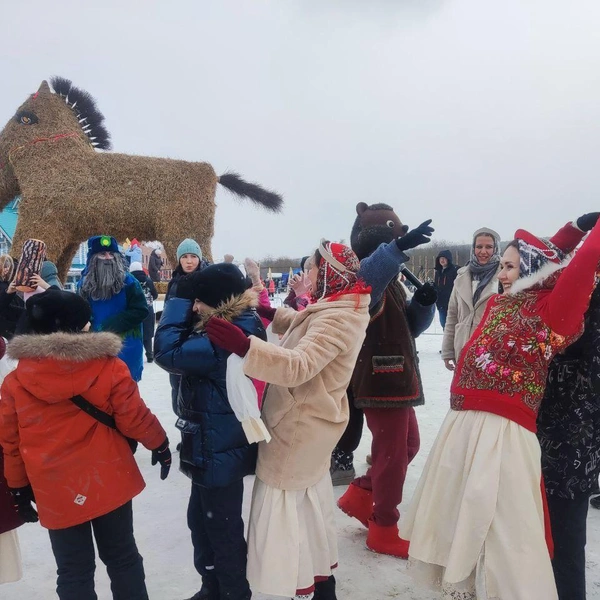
column 236, row 185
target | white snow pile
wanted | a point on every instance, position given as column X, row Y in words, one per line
column 163, row 538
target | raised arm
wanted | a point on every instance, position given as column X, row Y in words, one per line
column 567, row 303
column 378, row 269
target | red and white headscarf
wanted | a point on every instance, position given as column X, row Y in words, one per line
column 338, row 273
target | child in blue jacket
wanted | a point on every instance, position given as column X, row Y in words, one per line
column 214, row 454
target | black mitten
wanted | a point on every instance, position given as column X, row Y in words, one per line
column 162, row 455
column 425, row 295
column 415, row 237
column 586, row 222
column 23, row 498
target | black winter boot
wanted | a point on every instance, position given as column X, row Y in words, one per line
column 325, row 590
column 205, row 594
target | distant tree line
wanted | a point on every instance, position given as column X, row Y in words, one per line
column 422, row 259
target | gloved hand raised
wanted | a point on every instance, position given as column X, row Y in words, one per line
column 162, row 455
column 23, row 498
column 586, row 222
column 228, row 336
column 425, row 295
column 415, row 237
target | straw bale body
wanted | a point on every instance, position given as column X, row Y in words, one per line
column 70, row 191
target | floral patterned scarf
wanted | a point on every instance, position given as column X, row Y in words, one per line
column 338, row 273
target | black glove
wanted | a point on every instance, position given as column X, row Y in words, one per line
column 415, row 237
column 22, row 499
column 187, row 287
column 425, row 295
column 162, row 455
column 586, row 222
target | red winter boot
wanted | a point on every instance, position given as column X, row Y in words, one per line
column 385, row 540
column 357, row 503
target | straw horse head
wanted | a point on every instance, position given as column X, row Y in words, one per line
column 71, row 191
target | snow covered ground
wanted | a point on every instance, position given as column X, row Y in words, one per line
column 163, row 538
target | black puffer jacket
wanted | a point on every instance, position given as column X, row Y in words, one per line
column 12, row 310
column 569, row 417
column 444, row 279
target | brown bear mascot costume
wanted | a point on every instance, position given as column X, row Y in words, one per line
column 386, row 383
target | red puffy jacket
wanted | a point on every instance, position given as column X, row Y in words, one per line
column 79, row 468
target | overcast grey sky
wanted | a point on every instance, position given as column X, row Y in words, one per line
column 470, row 112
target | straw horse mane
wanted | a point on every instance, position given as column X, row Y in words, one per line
column 84, row 107
column 70, row 191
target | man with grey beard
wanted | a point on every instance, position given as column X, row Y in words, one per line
column 117, row 300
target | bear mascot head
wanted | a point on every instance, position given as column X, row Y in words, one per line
column 374, row 225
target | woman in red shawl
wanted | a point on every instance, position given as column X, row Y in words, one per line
column 292, row 545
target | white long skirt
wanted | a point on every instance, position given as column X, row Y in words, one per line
column 476, row 521
column 292, row 541
column 10, row 557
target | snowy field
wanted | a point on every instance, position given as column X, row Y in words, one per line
column 163, row 538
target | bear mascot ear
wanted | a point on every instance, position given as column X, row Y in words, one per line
column 361, row 207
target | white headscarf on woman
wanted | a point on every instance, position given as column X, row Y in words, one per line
column 484, row 273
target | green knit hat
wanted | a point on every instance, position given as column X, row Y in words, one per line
column 188, row 246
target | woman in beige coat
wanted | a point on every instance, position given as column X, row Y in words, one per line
column 292, row 546
column 473, row 287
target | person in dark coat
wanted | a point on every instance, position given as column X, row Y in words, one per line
column 12, row 307
column 445, row 274
column 189, row 260
column 151, row 295
column 569, row 435
column 215, row 453
column 155, row 264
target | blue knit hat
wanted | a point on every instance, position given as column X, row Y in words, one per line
column 188, row 246
column 101, row 243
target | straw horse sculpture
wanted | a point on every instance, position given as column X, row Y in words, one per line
column 70, row 191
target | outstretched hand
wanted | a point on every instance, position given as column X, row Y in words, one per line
column 253, row 271
column 416, row 237
column 228, row 336
column 301, row 284
column 588, row 221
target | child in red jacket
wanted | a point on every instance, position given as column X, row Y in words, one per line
column 79, row 470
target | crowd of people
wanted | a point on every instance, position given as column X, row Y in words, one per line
column 501, row 505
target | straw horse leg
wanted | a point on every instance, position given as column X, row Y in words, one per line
column 64, row 260
column 33, row 225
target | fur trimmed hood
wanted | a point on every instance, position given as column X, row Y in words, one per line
column 541, row 279
column 75, row 347
column 231, row 309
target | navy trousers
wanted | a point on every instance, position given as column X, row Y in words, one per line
column 220, row 551
column 73, row 550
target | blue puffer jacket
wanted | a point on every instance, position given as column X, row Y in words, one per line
column 214, row 450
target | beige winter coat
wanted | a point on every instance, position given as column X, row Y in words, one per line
column 463, row 317
column 305, row 407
